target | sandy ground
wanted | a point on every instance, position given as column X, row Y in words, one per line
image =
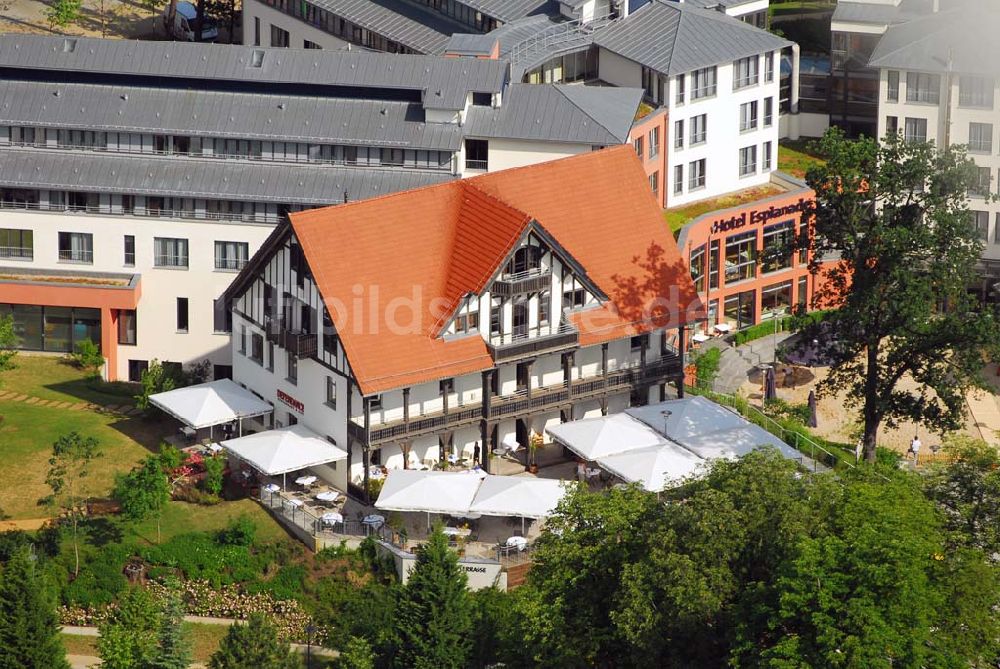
column 836, row 419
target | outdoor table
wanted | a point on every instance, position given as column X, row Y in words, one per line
column 374, row 520
column 272, row 487
column 214, row 447
column 723, row 328
column 189, row 432
column 375, row 472
column 517, row 542
column 295, row 502
column 456, row 531
column 699, row 337
column 306, row 480
column 593, row 473
column 332, row 518
column 452, row 458
column 328, row 496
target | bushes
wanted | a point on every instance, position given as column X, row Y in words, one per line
column 240, row 532
column 214, row 468
column 198, row 555
column 101, row 578
column 761, row 330
column 707, row 366
column 288, row 583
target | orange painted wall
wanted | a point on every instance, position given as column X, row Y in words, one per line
column 657, row 164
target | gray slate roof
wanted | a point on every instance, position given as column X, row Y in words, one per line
column 674, row 38
column 510, row 10
column 223, row 114
column 966, row 39
column 725, row 3
column 471, row 44
column 878, row 14
column 246, row 181
column 445, row 81
column 558, row 113
column 418, row 28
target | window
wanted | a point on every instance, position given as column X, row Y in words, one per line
column 129, row 260
column 654, row 142
column 257, row 347
column 996, row 229
column 703, row 83
column 482, row 99
column 679, row 91
column 574, row 295
column 697, row 265
column 279, row 37
column 231, row 256
column 778, row 247
column 16, row 244
column 637, row 143
column 745, row 72
column 766, row 158
column 769, row 67
column 975, row 92
column 526, row 259
column 713, row 265
column 292, row 368
column 922, row 87
column 748, row 116
column 768, row 112
column 748, row 161
column 981, row 137
column 222, row 372
column 679, row 134
column 893, row 88
column 982, row 186
column 654, row 183
column 331, row 392
column 270, row 356
column 544, row 307
column 915, row 130
column 740, row 308
column 678, row 179
column 135, row 370
column 306, row 44
column 375, row 402
column 891, row 125
column 182, row 314
column 256, row 31
column 696, row 174
column 981, row 221
column 127, row 327
column 467, row 319
column 741, row 256
column 222, row 316
column 477, row 154
column 170, row 252
column 776, row 299
column 242, row 341
column 496, row 317
column 76, row 247
column 638, row 343
column 699, row 129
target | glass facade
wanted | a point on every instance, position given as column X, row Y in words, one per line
column 57, row 329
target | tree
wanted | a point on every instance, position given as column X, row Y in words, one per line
column 433, row 620
column 128, row 637
column 254, row 644
column 62, row 13
column 88, row 357
column 72, row 455
column 155, row 379
column 8, row 343
column 895, row 217
column 214, row 468
column 143, row 492
column 173, row 649
column 29, row 624
column 357, row 654
column 968, row 492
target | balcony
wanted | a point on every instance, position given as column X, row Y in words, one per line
column 302, row 344
column 531, row 281
column 507, row 348
column 417, row 426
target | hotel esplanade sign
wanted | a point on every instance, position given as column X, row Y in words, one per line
column 757, row 216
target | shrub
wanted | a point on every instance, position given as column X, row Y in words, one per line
column 214, row 467
column 88, row 358
column 761, row 330
column 779, row 408
column 199, row 556
column 707, row 366
column 241, row 531
column 171, row 457
column 101, row 579
column 190, row 493
column 288, row 583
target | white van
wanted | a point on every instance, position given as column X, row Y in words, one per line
column 184, row 19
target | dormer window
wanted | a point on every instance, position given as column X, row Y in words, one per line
column 467, row 319
column 574, row 294
column 526, row 259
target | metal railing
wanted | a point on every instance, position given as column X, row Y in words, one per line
column 17, row 252
column 471, row 164
column 511, row 556
column 562, row 35
column 76, row 256
column 234, row 264
column 261, row 217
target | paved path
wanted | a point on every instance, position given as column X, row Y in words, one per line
column 736, row 363
column 126, row 409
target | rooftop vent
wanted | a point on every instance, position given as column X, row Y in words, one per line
column 69, row 45
column 257, row 58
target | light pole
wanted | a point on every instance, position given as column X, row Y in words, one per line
column 310, row 630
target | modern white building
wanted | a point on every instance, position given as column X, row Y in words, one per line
column 137, row 178
column 463, row 318
column 937, row 81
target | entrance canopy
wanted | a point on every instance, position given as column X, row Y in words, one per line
column 595, row 438
column 518, row 496
column 284, row 450
column 655, row 467
column 212, row 403
column 427, row 491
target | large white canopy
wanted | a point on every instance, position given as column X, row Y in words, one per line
column 284, row 450
column 212, row 403
column 655, row 467
column 595, row 438
column 687, row 418
column 518, row 496
column 735, row 443
column 433, row 492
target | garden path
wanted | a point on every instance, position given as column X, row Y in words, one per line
column 15, row 396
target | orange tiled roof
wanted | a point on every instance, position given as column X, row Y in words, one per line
column 392, row 269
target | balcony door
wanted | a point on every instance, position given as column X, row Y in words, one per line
column 520, row 316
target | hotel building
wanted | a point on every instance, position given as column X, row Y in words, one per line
column 137, row 178
column 456, row 318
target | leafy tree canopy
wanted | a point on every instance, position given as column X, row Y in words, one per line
column 29, row 625
column 254, row 644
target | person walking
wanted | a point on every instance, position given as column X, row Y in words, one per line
column 915, row 449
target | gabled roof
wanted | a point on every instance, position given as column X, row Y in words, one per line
column 511, row 10
column 963, row 40
column 403, row 247
column 673, row 38
column 598, row 115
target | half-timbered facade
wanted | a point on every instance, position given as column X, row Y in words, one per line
column 465, row 316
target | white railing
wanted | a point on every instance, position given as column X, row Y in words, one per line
column 557, row 36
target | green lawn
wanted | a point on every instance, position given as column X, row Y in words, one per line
column 795, row 157
column 679, row 217
column 26, row 436
column 52, row 378
column 204, row 641
column 181, row 517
